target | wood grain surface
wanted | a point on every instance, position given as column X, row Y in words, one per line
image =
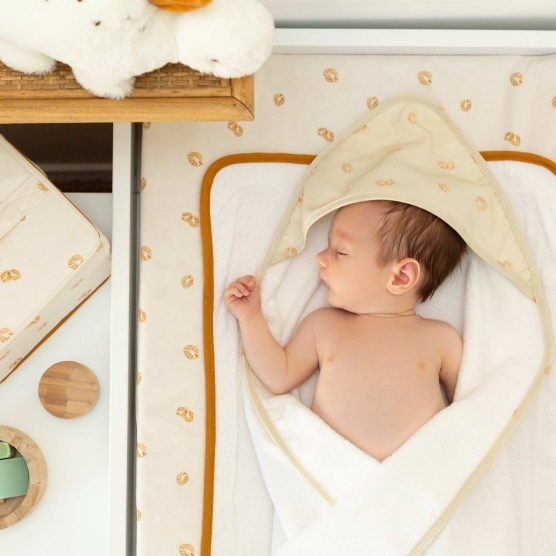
column 68, row 389
column 13, row 510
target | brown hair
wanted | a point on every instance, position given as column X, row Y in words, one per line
column 409, row 231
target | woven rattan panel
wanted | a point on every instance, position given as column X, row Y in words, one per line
column 169, row 81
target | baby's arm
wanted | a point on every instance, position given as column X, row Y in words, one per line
column 279, row 369
column 452, row 350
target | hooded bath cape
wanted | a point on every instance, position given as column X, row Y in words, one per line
column 332, row 498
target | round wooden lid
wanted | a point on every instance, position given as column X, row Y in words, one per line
column 68, row 389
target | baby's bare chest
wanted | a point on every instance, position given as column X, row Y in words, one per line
column 376, row 385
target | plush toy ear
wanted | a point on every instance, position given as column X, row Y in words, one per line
column 180, row 5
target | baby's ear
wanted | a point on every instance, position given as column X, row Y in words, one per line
column 405, row 276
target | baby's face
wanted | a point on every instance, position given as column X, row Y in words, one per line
column 348, row 266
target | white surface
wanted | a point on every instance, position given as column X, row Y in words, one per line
column 119, row 482
column 69, row 520
column 413, row 41
column 471, row 14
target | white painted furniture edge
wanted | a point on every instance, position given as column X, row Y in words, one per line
column 121, row 516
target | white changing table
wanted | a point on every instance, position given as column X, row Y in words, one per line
column 89, row 507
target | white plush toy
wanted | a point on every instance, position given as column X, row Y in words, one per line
column 108, row 42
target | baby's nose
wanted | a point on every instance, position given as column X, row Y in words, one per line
column 320, row 258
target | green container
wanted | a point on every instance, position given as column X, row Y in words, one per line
column 14, row 477
column 6, row 450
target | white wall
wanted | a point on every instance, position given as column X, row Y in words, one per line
column 419, row 14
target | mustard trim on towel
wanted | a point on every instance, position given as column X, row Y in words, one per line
column 208, row 306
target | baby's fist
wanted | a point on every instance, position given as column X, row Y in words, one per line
column 242, row 297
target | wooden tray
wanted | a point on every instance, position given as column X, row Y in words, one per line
column 172, row 93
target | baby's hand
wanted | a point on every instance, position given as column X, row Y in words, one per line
column 242, row 298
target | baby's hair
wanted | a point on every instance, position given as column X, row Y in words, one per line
column 409, row 231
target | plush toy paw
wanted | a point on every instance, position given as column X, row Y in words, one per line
column 101, row 88
column 24, row 60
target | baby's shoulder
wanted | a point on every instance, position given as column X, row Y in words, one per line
column 445, row 334
column 324, row 317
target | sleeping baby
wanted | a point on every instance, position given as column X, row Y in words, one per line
column 380, row 362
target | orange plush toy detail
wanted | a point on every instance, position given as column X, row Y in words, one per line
column 180, row 5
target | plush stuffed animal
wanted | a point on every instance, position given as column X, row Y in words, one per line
column 108, row 42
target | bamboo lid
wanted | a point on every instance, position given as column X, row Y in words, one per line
column 68, row 389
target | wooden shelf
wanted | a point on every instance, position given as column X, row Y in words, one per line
column 172, row 93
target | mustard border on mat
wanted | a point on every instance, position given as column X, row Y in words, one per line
column 208, row 306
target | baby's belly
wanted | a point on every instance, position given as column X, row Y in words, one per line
column 377, row 416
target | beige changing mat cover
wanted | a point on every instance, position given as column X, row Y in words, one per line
column 503, row 103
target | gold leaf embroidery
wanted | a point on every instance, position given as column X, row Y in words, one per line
column 146, row 125
column 466, row 105
column 347, row 168
column 424, row 77
column 143, row 183
column 443, row 187
column 331, row 75
column 446, row 165
column 34, row 321
column 290, row 252
column 372, row 102
column 187, row 281
column 185, row 414
column 182, row 478
column 395, row 150
column 75, row 261
column 99, row 247
column 5, row 354
column 141, row 450
column 193, row 221
column 507, row 264
column 15, row 364
column 138, row 514
column 365, row 127
column 23, row 218
column 512, row 138
column 385, row 182
column 88, row 292
column 186, row 550
column 195, row 158
column 5, row 334
column 139, row 378
column 142, row 315
column 481, row 203
column 8, row 275
column 146, row 253
column 236, row 128
column 441, row 107
column 77, row 283
column 300, row 200
column 42, row 326
column 325, row 134
column 516, row 79
column 42, row 187
column 547, row 370
column 553, row 102
column 279, row 99
column 412, row 117
column 191, row 351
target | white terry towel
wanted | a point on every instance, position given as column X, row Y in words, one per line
column 329, row 496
